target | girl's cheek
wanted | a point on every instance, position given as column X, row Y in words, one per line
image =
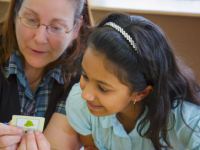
column 82, row 83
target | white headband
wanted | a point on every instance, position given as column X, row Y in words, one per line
column 121, row 30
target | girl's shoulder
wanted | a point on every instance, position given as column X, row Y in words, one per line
column 185, row 116
column 188, row 110
column 184, row 124
column 78, row 115
column 74, row 100
column 75, row 93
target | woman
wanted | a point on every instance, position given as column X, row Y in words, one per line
column 40, row 48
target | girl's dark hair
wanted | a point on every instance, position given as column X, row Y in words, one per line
column 70, row 59
column 155, row 64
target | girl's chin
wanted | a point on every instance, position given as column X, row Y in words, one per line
column 96, row 114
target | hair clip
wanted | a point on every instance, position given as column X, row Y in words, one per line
column 124, row 33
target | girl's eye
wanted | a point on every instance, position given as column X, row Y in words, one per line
column 84, row 76
column 102, row 89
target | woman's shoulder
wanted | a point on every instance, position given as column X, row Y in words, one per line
column 1, row 44
column 1, row 40
column 1, row 29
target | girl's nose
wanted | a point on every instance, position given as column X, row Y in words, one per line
column 41, row 35
column 87, row 93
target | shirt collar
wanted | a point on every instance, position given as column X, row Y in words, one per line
column 112, row 121
column 55, row 73
column 14, row 66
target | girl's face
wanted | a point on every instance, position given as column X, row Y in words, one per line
column 102, row 90
column 38, row 46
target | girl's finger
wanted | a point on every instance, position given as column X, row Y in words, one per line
column 42, row 143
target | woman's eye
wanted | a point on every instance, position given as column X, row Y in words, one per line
column 31, row 20
column 102, row 89
column 56, row 28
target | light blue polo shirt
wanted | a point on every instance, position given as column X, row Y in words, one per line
column 108, row 133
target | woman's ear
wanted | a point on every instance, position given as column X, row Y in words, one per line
column 77, row 28
column 142, row 94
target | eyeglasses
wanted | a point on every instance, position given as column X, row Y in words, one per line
column 55, row 30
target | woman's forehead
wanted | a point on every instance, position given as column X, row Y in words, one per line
column 57, row 9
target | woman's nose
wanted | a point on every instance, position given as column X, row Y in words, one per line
column 41, row 35
column 87, row 93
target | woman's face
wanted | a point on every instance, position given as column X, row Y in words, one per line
column 102, row 90
column 38, row 46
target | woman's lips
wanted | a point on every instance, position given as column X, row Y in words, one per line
column 36, row 52
column 94, row 106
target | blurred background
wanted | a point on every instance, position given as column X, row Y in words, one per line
column 179, row 19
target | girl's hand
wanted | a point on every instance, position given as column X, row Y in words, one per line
column 90, row 148
column 34, row 141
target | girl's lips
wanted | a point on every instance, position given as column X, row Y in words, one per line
column 94, row 106
column 37, row 52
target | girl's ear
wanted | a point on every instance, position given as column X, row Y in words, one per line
column 77, row 28
column 142, row 94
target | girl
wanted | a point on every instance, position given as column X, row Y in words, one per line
column 134, row 92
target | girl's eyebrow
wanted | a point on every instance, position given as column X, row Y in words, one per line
column 99, row 81
column 104, row 83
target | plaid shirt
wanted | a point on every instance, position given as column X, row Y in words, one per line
column 36, row 103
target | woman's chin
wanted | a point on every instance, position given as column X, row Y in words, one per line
column 36, row 64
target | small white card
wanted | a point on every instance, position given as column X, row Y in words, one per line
column 28, row 122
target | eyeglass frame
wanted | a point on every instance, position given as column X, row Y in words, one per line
column 19, row 17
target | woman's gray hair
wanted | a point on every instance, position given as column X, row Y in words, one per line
column 79, row 4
